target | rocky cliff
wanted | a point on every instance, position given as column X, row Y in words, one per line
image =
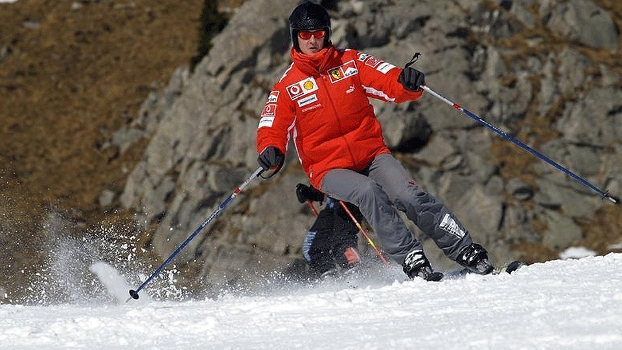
column 102, row 121
column 544, row 71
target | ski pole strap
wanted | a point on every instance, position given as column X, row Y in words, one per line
column 603, row 194
column 413, row 59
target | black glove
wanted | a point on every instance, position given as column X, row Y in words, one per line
column 412, row 79
column 308, row 193
column 271, row 160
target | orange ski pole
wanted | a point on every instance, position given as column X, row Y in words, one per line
column 371, row 243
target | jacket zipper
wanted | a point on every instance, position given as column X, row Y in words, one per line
column 332, row 105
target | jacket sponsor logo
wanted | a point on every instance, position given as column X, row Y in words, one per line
column 385, row 67
column 265, row 122
column 273, row 97
column 450, row 226
column 301, row 88
column 346, row 70
column 307, row 100
column 269, row 110
column 335, row 75
column 308, row 85
column 372, row 61
column 312, row 107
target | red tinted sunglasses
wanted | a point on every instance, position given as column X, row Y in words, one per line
column 306, row 35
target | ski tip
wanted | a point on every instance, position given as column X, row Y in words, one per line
column 514, row 265
column 133, row 294
column 435, row 276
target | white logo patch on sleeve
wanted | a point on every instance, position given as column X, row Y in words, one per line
column 266, row 122
column 269, row 110
column 385, row 67
column 273, row 97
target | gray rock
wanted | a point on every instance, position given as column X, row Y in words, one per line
column 520, row 9
column 561, row 233
column 584, row 21
column 571, row 202
column 519, row 189
column 437, row 151
column 595, row 119
column 479, row 211
column 106, row 198
column 572, row 70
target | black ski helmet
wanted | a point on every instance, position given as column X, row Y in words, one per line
column 308, row 16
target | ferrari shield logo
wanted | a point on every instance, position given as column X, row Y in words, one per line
column 346, row 70
column 335, row 74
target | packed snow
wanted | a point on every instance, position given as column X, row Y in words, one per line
column 560, row 304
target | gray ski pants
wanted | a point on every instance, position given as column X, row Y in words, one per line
column 386, row 186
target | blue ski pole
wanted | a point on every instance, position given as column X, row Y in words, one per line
column 221, row 207
column 603, row 194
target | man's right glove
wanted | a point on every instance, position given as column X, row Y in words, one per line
column 271, row 160
column 412, row 79
column 308, row 193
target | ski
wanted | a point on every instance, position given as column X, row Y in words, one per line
column 434, row 276
column 463, row 271
column 514, row 265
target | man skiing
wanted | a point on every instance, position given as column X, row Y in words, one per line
column 322, row 102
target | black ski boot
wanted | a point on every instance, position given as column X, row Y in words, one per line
column 417, row 265
column 475, row 258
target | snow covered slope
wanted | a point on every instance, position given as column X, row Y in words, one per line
column 564, row 304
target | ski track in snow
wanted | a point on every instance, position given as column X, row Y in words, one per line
column 561, row 304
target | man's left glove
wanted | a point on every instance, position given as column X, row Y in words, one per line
column 308, row 193
column 271, row 160
column 412, row 79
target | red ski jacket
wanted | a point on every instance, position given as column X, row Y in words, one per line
column 322, row 102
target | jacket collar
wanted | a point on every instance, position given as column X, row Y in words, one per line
column 316, row 63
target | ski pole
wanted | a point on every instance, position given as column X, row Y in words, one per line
column 221, row 207
column 603, row 194
column 313, row 207
column 358, row 225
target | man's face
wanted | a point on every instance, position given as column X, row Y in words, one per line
column 311, row 41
